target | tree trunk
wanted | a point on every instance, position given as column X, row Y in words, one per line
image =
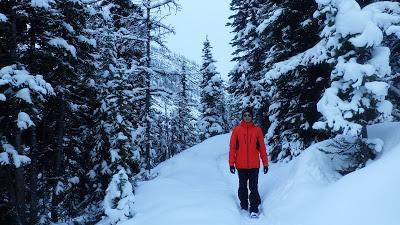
column 19, row 172
column 148, row 83
column 34, row 154
column 33, row 179
column 20, row 182
column 364, row 132
column 11, row 189
column 167, row 142
column 58, row 161
column 13, row 41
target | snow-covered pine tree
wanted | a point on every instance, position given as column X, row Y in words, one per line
column 287, row 29
column 249, row 57
column 162, row 134
column 155, row 32
column 72, row 47
column 223, row 107
column 183, row 111
column 212, row 121
column 182, row 121
column 393, row 42
column 87, row 59
column 22, row 92
column 119, row 200
column 166, row 91
column 357, row 93
column 117, row 130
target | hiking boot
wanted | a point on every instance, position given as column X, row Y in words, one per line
column 253, row 215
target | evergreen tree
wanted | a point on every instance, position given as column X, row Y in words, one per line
column 183, row 129
column 287, row 29
column 212, row 121
column 268, row 32
column 355, row 98
column 393, row 42
column 119, row 200
column 23, row 92
column 249, row 56
column 116, row 132
column 154, row 34
column 73, row 48
column 358, row 89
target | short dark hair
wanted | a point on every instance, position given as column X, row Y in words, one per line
column 248, row 110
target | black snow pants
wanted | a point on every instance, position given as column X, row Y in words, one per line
column 250, row 175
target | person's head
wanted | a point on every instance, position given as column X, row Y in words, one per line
column 247, row 114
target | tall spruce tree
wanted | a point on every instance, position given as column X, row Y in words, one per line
column 117, row 132
column 212, row 121
column 249, row 56
column 393, row 42
column 155, row 31
column 357, row 93
column 184, row 126
column 287, row 29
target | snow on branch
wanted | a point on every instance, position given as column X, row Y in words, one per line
column 270, row 19
column 42, row 3
column 60, row 42
column 384, row 15
column 3, row 18
column 358, row 88
column 169, row 29
column 20, row 78
column 11, row 157
column 24, row 121
column 314, row 55
column 162, row 3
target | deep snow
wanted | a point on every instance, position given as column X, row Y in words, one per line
column 196, row 188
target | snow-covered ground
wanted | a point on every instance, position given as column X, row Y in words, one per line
column 196, row 188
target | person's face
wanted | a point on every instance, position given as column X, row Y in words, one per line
column 247, row 117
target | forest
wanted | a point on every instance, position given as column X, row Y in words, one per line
column 92, row 99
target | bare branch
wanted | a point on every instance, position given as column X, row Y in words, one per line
column 396, row 114
column 395, row 90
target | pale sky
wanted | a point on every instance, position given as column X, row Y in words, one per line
column 196, row 20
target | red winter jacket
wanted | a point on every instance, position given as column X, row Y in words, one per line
column 246, row 146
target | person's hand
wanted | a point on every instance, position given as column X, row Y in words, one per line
column 265, row 169
column 232, row 169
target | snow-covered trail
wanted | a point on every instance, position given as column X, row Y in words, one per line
column 196, row 188
column 193, row 188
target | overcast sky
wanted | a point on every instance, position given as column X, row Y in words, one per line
column 197, row 19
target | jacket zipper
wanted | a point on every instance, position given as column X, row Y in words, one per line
column 247, row 146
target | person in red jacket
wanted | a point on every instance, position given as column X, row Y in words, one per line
column 246, row 147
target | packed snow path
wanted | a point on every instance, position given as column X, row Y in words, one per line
column 196, row 188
